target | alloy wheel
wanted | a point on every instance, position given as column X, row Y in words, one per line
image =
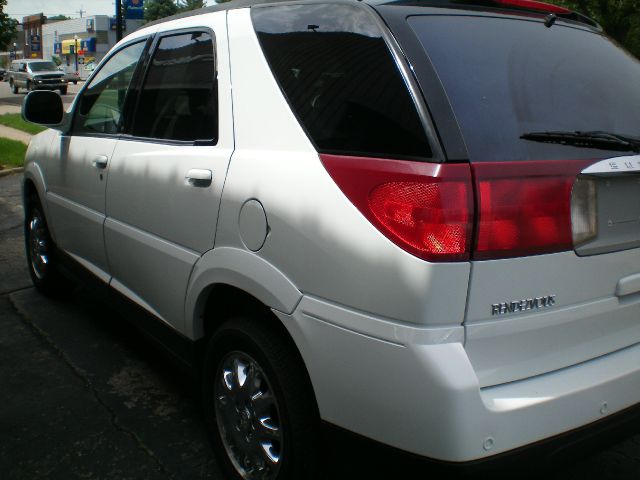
column 38, row 245
column 248, row 417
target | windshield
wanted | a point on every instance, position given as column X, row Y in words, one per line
column 506, row 77
column 42, row 66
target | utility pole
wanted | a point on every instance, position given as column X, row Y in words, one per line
column 75, row 49
column 81, row 11
column 118, row 20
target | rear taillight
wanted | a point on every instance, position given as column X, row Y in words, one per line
column 521, row 208
column 584, row 212
column 524, row 208
column 424, row 208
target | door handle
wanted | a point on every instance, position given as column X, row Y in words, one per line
column 100, row 161
column 197, row 177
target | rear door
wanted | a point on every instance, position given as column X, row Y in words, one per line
column 555, row 279
column 167, row 173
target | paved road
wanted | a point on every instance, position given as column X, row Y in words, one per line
column 83, row 395
column 8, row 98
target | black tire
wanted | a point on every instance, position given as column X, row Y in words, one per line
column 14, row 87
column 45, row 275
column 286, row 429
column 63, row 91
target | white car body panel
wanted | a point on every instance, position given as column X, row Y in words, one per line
column 587, row 320
column 415, row 389
column 76, row 196
column 241, row 269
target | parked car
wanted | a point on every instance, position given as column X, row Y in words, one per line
column 416, row 222
column 3, row 73
column 36, row 75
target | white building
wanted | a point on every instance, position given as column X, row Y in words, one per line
column 80, row 41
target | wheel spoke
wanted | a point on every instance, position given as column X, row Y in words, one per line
column 228, row 380
column 251, row 380
column 270, row 452
column 269, row 425
column 262, row 401
column 240, row 372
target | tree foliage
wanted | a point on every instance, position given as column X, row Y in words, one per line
column 157, row 9
column 185, row 5
column 7, row 27
column 58, row 17
column 620, row 19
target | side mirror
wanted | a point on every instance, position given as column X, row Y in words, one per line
column 43, row 107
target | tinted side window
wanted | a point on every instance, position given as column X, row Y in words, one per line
column 341, row 80
column 100, row 109
column 179, row 98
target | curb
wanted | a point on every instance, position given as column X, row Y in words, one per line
column 11, row 171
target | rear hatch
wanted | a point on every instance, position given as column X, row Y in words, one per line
column 548, row 114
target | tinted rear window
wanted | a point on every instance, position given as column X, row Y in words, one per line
column 341, row 80
column 505, row 77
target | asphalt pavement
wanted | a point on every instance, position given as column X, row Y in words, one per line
column 83, row 395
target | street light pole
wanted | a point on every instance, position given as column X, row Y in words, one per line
column 118, row 20
column 75, row 50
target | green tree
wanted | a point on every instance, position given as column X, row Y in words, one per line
column 185, row 5
column 55, row 18
column 620, row 19
column 157, row 9
column 7, row 27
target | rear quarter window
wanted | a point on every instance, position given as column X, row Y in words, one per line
column 341, row 81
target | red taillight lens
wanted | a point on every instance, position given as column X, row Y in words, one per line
column 524, row 208
column 533, row 5
column 425, row 208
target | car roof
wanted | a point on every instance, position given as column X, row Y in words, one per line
column 532, row 6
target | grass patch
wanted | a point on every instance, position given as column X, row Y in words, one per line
column 14, row 120
column 11, row 153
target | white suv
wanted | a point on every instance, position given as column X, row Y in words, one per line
column 417, row 223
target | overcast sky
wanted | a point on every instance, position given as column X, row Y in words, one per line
column 22, row 8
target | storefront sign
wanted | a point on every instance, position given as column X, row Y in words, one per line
column 134, row 9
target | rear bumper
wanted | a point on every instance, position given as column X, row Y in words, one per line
column 415, row 388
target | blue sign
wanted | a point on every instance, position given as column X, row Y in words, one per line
column 35, row 43
column 57, row 48
column 134, row 9
column 88, row 44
